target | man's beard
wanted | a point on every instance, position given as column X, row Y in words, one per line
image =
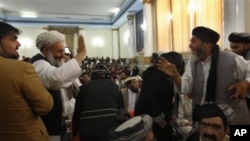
column 54, row 62
column 9, row 55
column 134, row 90
column 198, row 54
column 12, row 56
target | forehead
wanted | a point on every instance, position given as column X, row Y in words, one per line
column 194, row 38
column 11, row 35
column 213, row 120
column 59, row 46
column 236, row 44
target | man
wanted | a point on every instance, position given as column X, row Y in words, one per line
column 213, row 76
column 85, row 78
column 121, row 80
column 240, row 44
column 156, row 97
column 97, row 106
column 138, row 128
column 57, row 77
column 214, row 120
column 131, row 94
column 23, row 99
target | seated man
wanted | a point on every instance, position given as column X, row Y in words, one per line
column 131, row 94
column 135, row 129
column 214, row 120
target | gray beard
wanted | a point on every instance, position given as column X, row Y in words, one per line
column 196, row 56
column 53, row 61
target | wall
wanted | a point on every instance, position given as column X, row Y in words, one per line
column 104, row 47
column 124, row 36
column 247, row 17
column 28, row 36
column 27, row 39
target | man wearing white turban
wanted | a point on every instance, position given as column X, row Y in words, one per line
column 57, row 77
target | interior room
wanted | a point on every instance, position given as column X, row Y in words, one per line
column 125, row 28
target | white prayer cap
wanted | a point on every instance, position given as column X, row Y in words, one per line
column 131, row 78
column 134, row 129
column 49, row 38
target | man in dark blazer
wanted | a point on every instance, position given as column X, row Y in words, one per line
column 22, row 95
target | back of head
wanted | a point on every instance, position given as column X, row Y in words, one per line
column 101, row 71
column 48, row 39
column 134, row 129
column 176, row 59
column 6, row 29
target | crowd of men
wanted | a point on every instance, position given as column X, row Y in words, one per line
column 39, row 96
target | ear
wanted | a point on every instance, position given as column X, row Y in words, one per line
column 45, row 50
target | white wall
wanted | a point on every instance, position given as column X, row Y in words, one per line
column 27, row 39
column 124, row 36
column 28, row 36
column 104, row 47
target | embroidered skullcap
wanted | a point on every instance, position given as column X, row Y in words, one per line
column 236, row 37
column 131, row 78
column 134, row 129
column 101, row 70
column 49, row 38
column 206, row 34
column 213, row 110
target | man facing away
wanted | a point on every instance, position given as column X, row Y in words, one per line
column 213, row 76
column 23, row 98
column 57, row 77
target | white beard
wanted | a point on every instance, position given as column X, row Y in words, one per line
column 198, row 54
column 54, row 61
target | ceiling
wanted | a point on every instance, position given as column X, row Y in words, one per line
column 61, row 12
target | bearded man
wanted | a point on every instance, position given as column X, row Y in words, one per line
column 131, row 94
column 213, row 76
column 57, row 77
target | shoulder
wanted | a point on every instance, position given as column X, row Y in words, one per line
column 227, row 54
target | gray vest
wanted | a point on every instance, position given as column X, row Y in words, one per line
column 225, row 78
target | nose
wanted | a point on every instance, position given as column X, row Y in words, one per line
column 18, row 44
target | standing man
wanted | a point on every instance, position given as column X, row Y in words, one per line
column 131, row 94
column 240, row 44
column 23, row 98
column 213, row 76
column 156, row 97
column 97, row 106
column 57, row 77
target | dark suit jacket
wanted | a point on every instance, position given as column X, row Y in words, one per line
column 23, row 99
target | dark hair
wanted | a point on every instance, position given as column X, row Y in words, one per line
column 6, row 29
column 101, row 71
column 176, row 59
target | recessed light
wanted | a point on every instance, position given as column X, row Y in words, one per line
column 28, row 15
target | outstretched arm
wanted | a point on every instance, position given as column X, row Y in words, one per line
column 170, row 70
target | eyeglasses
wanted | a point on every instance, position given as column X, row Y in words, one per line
column 213, row 126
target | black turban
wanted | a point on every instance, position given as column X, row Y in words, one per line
column 239, row 37
column 206, row 34
column 213, row 110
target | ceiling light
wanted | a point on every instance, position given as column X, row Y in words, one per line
column 116, row 10
column 28, row 15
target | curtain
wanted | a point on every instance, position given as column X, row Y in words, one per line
column 175, row 20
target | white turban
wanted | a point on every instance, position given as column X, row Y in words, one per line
column 49, row 38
